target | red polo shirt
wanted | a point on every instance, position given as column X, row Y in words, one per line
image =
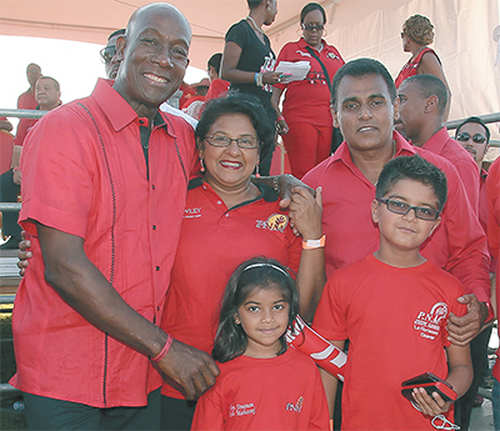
column 27, row 100
column 309, row 100
column 24, row 126
column 441, row 143
column 493, row 196
column 458, row 245
column 214, row 241
column 87, row 176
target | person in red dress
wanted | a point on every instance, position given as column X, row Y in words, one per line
column 417, row 34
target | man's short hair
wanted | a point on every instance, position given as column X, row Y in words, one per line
column 252, row 4
column 430, row 85
column 362, row 67
column 56, row 83
column 116, row 33
column 476, row 120
column 215, row 61
column 413, row 168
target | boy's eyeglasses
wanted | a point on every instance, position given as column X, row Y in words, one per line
column 402, row 208
column 312, row 27
column 107, row 53
column 248, row 142
column 477, row 138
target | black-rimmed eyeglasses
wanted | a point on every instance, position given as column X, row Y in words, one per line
column 477, row 138
column 107, row 53
column 402, row 208
column 247, row 142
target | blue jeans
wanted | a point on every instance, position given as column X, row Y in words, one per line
column 496, row 404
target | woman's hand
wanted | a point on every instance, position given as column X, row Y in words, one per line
column 272, row 77
column 24, row 254
column 305, row 213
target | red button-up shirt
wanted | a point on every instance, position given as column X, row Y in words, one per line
column 441, row 143
column 85, row 174
column 458, row 244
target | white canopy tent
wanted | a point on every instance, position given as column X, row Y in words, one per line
column 358, row 28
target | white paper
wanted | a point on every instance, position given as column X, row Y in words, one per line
column 293, row 70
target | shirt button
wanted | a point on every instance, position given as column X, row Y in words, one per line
column 219, row 202
column 154, row 227
column 227, row 215
column 157, row 268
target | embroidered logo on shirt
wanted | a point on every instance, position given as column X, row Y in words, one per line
column 275, row 222
column 192, row 212
column 302, row 53
column 428, row 324
column 241, row 409
column 297, row 407
column 332, row 56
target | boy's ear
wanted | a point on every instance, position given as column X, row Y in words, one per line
column 374, row 210
column 431, row 103
column 436, row 224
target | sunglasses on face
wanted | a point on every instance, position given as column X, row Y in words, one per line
column 312, row 27
column 107, row 53
column 402, row 208
column 477, row 138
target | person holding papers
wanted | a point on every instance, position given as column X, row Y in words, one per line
column 306, row 121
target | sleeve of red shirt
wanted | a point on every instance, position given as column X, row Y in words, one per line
column 468, row 253
column 493, row 200
column 208, row 415
column 330, row 316
column 57, row 174
column 469, row 173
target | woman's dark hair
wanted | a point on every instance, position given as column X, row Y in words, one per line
column 231, row 341
column 252, row 4
column 309, row 8
column 239, row 103
column 214, row 61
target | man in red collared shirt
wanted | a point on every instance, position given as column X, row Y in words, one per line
column 107, row 175
column 422, row 104
column 364, row 98
column 27, row 99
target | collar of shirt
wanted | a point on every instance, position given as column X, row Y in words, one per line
column 437, row 141
column 403, row 148
column 303, row 44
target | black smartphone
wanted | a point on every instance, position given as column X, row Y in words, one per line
column 431, row 383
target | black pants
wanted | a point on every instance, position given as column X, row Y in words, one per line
column 479, row 356
column 50, row 414
column 8, row 193
column 176, row 415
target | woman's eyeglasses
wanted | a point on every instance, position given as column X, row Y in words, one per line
column 313, row 27
column 107, row 53
column 246, row 142
column 402, row 208
column 477, row 138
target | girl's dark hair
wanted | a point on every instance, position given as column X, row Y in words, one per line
column 231, row 341
column 239, row 103
column 309, row 8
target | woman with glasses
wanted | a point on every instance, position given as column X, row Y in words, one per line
column 228, row 220
column 417, row 34
column 248, row 60
column 306, row 122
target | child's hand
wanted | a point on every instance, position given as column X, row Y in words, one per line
column 431, row 406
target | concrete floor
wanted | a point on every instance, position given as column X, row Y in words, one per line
column 482, row 417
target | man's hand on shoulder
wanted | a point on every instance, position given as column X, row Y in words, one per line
column 463, row 329
column 190, row 369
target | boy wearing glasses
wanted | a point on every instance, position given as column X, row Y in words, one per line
column 393, row 306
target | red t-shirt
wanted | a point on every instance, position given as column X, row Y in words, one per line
column 281, row 393
column 309, row 100
column 208, row 229
column 441, row 143
column 218, row 88
column 27, row 100
column 24, row 126
column 458, row 245
column 395, row 319
column 410, row 68
column 94, row 185
column 493, row 197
